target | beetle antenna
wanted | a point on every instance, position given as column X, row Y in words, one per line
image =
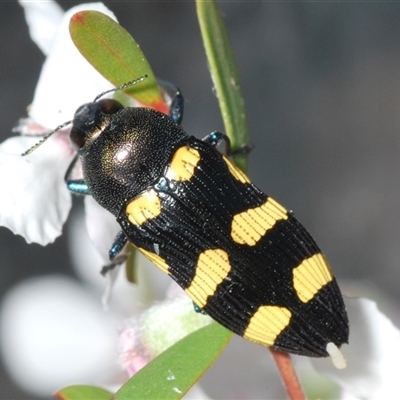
column 35, row 146
column 122, row 87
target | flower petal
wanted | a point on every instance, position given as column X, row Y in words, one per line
column 55, row 332
column 43, row 19
column 101, row 226
column 37, row 202
column 150, row 333
column 67, row 80
column 87, row 262
column 372, row 355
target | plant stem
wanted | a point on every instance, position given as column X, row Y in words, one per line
column 224, row 75
column 288, row 375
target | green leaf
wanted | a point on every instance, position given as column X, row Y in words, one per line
column 112, row 51
column 224, row 75
column 176, row 370
column 83, row 392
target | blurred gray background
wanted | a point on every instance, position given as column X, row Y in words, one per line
column 321, row 83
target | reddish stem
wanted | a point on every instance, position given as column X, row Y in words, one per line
column 288, row 375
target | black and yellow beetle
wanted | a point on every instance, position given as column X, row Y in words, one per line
column 243, row 258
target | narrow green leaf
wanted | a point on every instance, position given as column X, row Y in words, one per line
column 112, row 51
column 176, row 370
column 224, row 75
column 83, row 392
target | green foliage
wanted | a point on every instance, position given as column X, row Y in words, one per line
column 112, row 51
column 176, row 370
column 224, row 76
column 82, row 392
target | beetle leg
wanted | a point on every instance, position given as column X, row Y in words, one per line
column 198, row 309
column 177, row 101
column 215, row 138
column 114, row 253
column 242, row 151
column 176, row 108
column 77, row 186
column 119, row 243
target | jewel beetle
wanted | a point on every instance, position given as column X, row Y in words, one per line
column 243, row 258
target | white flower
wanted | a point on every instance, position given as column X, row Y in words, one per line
column 54, row 332
column 67, row 80
column 37, row 202
column 144, row 336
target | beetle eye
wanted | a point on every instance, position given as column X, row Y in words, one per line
column 110, row 106
column 77, row 138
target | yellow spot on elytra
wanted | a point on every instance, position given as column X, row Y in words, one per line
column 266, row 324
column 183, row 164
column 249, row 226
column 311, row 276
column 236, row 172
column 156, row 259
column 144, row 207
column 212, row 268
